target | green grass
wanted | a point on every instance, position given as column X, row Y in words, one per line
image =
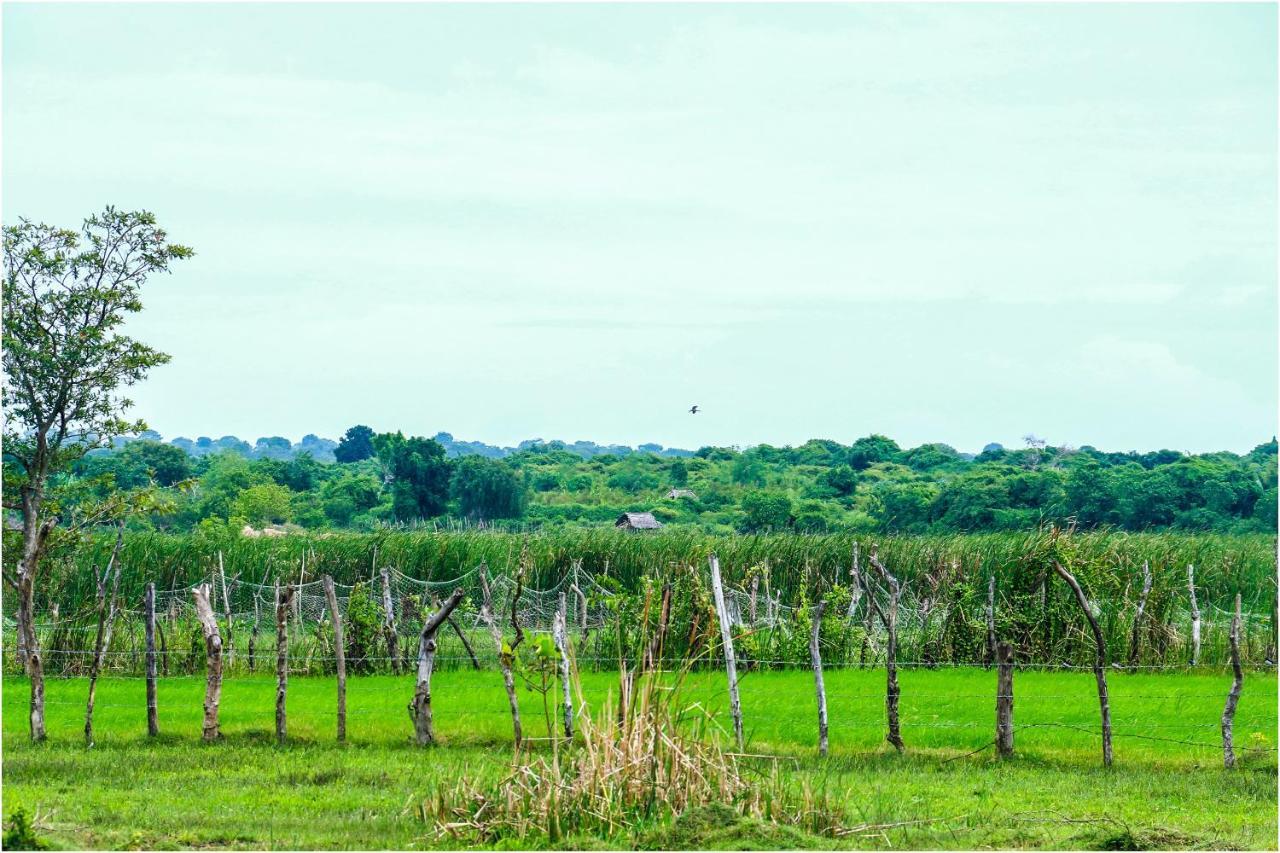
column 247, row 792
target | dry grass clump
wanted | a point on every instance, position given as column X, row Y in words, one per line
column 626, row 773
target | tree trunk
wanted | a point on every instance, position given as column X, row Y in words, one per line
column 149, row 614
column 1099, row 661
column 505, row 655
column 389, row 623
column 282, row 601
column 466, row 644
column 815, row 655
column 340, row 656
column 1004, row 700
column 420, row 707
column 559, row 633
column 726, row 638
column 1135, row 638
column 106, row 623
column 890, row 619
column 1233, row 698
column 213, row 659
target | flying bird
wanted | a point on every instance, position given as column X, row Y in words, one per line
column 693, row 410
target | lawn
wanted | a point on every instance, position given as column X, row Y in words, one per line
column 1167, row 788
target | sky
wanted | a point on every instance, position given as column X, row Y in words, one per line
column 941, row 223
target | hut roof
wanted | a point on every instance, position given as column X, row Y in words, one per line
column 637, row 521
column 681, row 493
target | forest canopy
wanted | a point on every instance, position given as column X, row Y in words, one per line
column 369, row 479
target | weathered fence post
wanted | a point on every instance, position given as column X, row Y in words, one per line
column 420, row 707
column 726, row 638
column 855, row 584
column 991, row 620
column 389, row 623
column 559, row 633
column 1004, row 699
column 505, row 654
column 1099, row 661
column 1195, row 615
column 890, row 619
column 149, row 615
column 106, row 621
column 1233, row 698
column 815, row 654
column 1135, row 638
column 213, row 658
column 283, row 599
column 755, row 591
column 340, row 656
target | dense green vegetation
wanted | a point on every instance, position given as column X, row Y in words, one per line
column 872, row 485
column 380, row 792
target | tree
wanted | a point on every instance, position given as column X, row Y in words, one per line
column 679, row 473
column 867, row 451
column 166, row 464
column 765, row 511
column 66, row 296
column 485, row 488
column 263, row 504
column 355, row 444
column 418, row 473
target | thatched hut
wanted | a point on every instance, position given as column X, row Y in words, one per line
column 676, row 494
column 637, row 521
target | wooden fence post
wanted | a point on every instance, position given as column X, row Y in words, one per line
column 726, row 638
column 755, row 591
column 420, row 707
column 890, row 619
column 1233, row 698
column 1004, row 699
column 1099, row 661
column 991, row 620
column 340, row 655
column 389, row 623
column 815, row 654
column 559, row 633
column 1135, row 638
column 283, row 599
column 149, row 614
column 505, row 654
column 1195, row 615
column 213, row 658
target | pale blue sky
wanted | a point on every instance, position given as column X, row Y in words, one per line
column 957, row 224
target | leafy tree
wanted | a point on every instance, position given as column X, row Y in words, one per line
column 679, row 473
column 266, row 503
column 765, row 511
column 418, row 473
column 841, row 480
column 66, row 296
column 904, row 507
column 356, row 444
column 867, row 451
column 164, row 463
column 486, row 489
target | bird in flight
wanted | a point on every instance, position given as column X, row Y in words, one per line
column 693, row 410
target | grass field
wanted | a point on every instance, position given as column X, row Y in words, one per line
column 247, row 792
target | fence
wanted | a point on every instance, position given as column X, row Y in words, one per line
column 863, row 622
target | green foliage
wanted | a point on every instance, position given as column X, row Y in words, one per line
column 265, row 503
column 19, row 834
column 355, row 444
column 486, row 489
column 418, row 473
column 362, row 628
column 765, row 511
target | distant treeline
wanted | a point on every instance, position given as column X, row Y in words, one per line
column 822, row 486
